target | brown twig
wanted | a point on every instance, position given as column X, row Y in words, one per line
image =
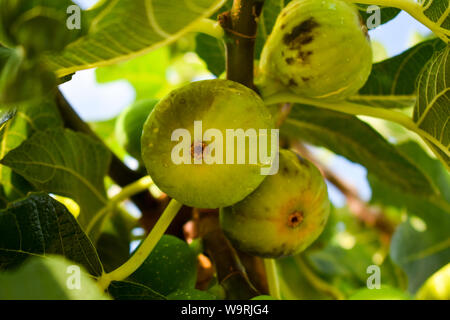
column 284, row 111
column 230, row 272
column 240, row 25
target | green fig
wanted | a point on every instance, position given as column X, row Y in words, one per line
column 284, row 215
column 129, row 125
column 317, row 49
column 186, row 147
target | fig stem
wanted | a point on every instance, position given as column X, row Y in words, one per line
column 209, row 27
column 144, row 250
column 415, row 10
column 357, row 109
column 272, row 278
column 127, row 192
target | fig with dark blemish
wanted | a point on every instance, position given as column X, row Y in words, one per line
column 284, row 215
column 321, row 46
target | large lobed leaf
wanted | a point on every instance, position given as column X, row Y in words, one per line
column 422, row 246
column 392, row 82
column 424, row 249
column 432, row 110
column 350, row 137
column 123, row 30
column 437, row 11
column 66, row 163
column 212, row 51
column 21, row 124
column 40, row 225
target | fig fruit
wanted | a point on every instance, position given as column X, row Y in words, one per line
column 129, row 125
column 192, row 143
column 317, row 49
column 284, row 215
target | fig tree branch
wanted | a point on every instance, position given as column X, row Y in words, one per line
column 230, row 272
column 240, row 25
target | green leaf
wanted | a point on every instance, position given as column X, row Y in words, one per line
column 190, row 294
column 432, row 110
column 392, row 82
column 433, row 168
column 212, row 51
column 127, row 29
column 172, row 265
column 65, row 163
column 147, row 74
column 384, row 293
column 24, row 80
column 40, row 225
column 112, row 250
column 105, row 130
column 344, row 263
column 437, row 11
column 31, row 118
column 124, row 290
column 348, row 136
column 113, row 244
column 263, row 297
column 23, row 123
column 48, row 278
column 293, row 282
column 422, row 246
column 37, row 25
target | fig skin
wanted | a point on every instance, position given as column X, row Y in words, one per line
column 317, row 49
column 129, row 125
column 219, row 104
column 284, row 215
